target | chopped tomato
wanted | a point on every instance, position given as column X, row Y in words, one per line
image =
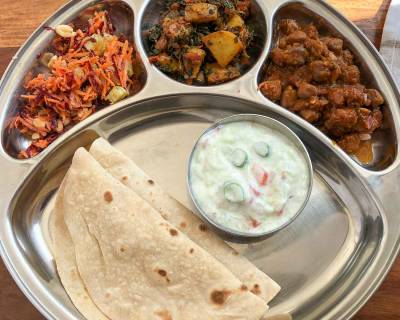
column 260, row 174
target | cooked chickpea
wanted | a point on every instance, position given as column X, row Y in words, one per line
column 65, row 31
column 45, row 58
column 51, row 61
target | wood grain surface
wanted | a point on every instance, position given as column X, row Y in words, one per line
column 18, row 18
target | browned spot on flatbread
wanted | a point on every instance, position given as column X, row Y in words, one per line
column 191, row 250
column 256, row 289
column 235, row 253
column 183, row 225
column 162, row 272
column 108, row 295
column 173, row 232
column 202, row 227
column 124, row 178
column 150, row 181
column 164, row 315
column 243, row 287
column 108, row 196
column 219, row 296
column 74, row 274
column 123, row 248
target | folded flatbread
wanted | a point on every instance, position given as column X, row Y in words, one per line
column 64, row 254
column 136, row 265
column 126, row 171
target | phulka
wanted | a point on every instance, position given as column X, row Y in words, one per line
column 64, row 254
column 134, row 264
column 126, row 171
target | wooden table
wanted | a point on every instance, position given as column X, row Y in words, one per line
column 18, row 18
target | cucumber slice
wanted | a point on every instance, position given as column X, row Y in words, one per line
column 233, row 192
column 116, row 94
column 261, row 148
column 238, row 157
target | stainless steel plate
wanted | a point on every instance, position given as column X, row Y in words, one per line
column 329, row 261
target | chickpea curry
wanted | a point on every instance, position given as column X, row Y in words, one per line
column 317, row 78
column 82, row 71
column 202, row 42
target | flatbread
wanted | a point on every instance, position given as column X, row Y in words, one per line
column 136, row 265
column 64, row 255
column 126, row 171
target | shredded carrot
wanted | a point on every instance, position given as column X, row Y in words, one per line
column 78, row 82
column 28, row 96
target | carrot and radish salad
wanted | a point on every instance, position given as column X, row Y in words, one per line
column 84, row 70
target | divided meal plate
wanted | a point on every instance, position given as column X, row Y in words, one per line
column 329, row 261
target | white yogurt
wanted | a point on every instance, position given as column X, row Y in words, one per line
column 248, row 177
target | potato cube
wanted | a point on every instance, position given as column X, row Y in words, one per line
column 235, row 22
column 224, row 46
column 201, row 12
